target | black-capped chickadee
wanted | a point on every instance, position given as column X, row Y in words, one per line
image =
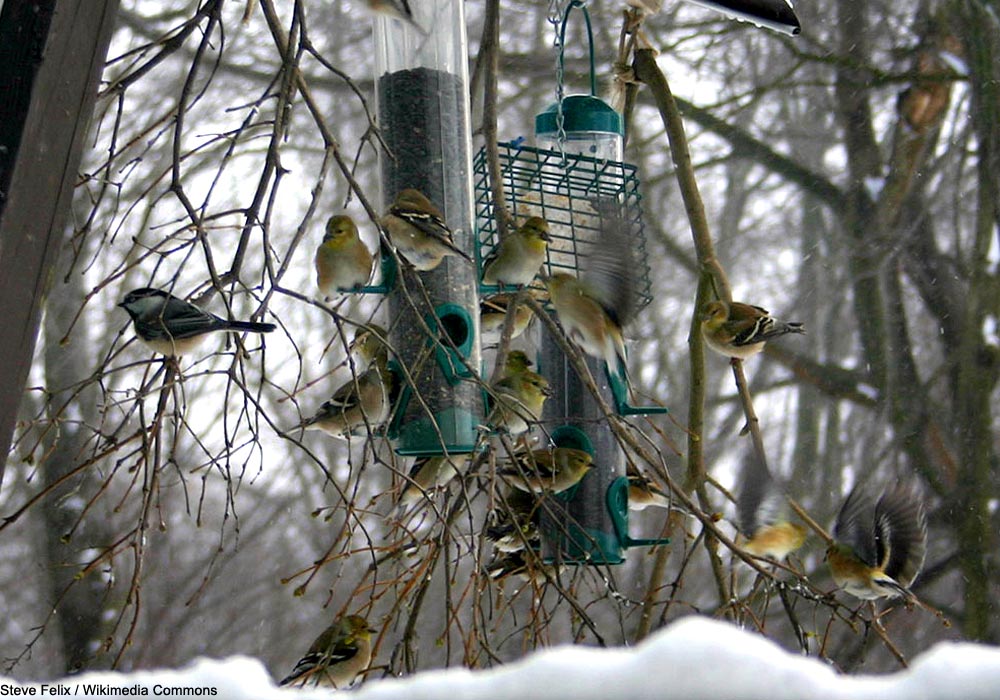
column 172, row 326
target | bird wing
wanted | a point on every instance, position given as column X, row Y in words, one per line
column 761, row 501
column 748, row 324
column 319, row 658
column 855, row 526
column 184, row 320
column 426, row 222
column 901, row 534
column 541, row 462
column 608, row 271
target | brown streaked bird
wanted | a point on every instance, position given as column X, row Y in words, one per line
column 879, row 545
column 338, row 655
column 360, row 403
column 526, row 566
column 417, row 230
column 740, row 330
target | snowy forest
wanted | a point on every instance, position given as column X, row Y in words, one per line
column 154, row 510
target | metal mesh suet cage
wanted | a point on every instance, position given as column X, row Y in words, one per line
column 575, row 194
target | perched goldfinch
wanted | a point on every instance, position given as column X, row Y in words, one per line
column 878, row 548
column 369, row 345
column 517, row 362
column 518, row 257
column 513, row 522
column 493, row 314
column 418, row 231
column 587, row 322
column 430, row 473
column 553, row 470
column 171, row 326
column 740, row 330
column 360, row 403
column 337, row 656
column 762, row 513
column 518, row 401
column 643, row 493
column 343, row 262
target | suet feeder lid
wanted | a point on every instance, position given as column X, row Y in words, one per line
column 585, row 113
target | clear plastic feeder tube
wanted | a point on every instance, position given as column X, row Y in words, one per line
column 422, row 96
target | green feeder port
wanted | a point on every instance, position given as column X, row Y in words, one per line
column 419, row 431
column 453, row 321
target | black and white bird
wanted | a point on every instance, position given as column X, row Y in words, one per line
column 171, row 326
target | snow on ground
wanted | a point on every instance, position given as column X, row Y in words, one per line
column 693, row 658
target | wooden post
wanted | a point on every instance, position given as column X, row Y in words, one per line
column 51, row 56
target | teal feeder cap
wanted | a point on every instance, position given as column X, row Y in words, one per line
column 581, row 113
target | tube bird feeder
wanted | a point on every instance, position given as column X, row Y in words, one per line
column 575, row 179
column 423, row 106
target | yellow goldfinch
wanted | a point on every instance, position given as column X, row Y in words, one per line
column 589, row 323
column 493, row 314
column 518, row 401
column 553, row 470
column 337, row 656
column 513, row 522
column 343, row 262
column 430, row 473
column 418, row 231
column 517, row 258
column 360, row 403
column 878, row 548
column 740, row 330
column 369, row 345
column 762, row 513
column 595, row 306
column 517, row 363
column 171, row 326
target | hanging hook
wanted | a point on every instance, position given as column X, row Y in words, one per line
column 590, row 41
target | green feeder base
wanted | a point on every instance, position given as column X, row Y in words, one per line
column 453, row 429
column 578, row 545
